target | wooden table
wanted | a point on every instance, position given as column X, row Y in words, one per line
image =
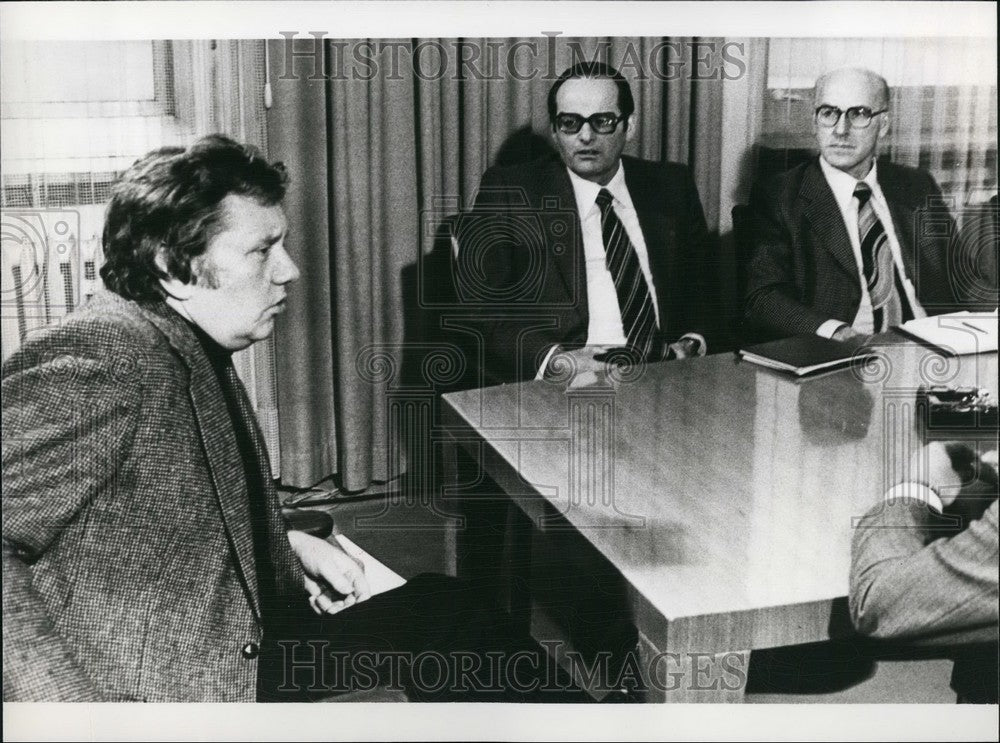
column 721, row 494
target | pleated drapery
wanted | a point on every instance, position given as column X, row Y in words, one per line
column 380, row 155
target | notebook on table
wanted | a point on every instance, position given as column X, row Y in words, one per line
column 804, row 354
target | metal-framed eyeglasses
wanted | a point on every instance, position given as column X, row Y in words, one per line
column 605, row 122
column 859, row 117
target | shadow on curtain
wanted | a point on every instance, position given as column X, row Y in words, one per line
column 382, row 156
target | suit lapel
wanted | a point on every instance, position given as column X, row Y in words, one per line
column 286, row 565
column 656, row 232
column 570, row 265
column 824, row 217
column 902, row 209
column 218, row 441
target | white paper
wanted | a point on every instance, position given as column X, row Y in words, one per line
column 957, row 333
column 381, row 578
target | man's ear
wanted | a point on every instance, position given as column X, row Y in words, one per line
column 173, row 287
column 630, row 130
column 883, row 127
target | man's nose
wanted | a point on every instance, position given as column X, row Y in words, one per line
column 842, row 126
column 286, row 271
column 586, row 133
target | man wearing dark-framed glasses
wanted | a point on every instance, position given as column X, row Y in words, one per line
column 565, row 258
column 592, row 251
column 843, row 245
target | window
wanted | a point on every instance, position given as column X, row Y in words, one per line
column 74, row 114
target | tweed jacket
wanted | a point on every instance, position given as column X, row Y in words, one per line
column 802, row 271
column 521, row 255
column 918, row 578
column 128, row 557
column 905, row 585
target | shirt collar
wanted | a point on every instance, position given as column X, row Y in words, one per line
column 842, row 184
column 586, row 191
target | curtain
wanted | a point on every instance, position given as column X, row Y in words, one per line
column 381, row 153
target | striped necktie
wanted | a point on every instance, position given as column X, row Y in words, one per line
column 634, row 299
column 889, row 305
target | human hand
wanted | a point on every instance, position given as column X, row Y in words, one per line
column 846, row 333
column 333, row 579
column 578, row 361
column 948, row 467
column 684, row 348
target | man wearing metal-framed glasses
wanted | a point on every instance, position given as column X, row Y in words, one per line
column 590, row 253
column 843, row 245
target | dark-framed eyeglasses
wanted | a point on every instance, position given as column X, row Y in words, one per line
column 605, row 122
column 859, row 117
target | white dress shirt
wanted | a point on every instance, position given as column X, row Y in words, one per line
column 842, row 184
column 605, row 327
column 915, row 491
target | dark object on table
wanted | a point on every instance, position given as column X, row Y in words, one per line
column 314, row 523
column 957, row 412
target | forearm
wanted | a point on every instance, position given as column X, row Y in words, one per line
column 490, row 264
column 773, row 309
column 942, row 593
column 516, row 345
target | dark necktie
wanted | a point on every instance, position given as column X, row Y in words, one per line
column 250, row 438
column 889, row 305
column 257, row 469
column 634, row 299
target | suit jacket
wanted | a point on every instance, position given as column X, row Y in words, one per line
column 521, row 259
column 127, row 547
column 911, row 583
column 802, row 270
